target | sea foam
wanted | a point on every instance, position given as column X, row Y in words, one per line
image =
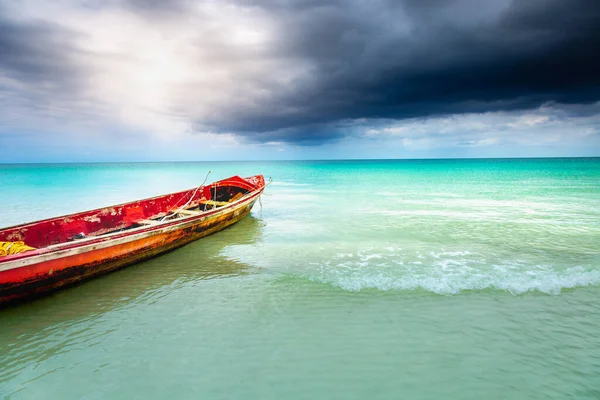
column 548, row 281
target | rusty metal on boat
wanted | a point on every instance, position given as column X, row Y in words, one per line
column 79, row 246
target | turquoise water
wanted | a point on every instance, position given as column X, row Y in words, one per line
column 460, row 279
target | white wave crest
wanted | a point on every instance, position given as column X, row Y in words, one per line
column 543, row 280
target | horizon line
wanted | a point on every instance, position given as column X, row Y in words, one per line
column 299, row 160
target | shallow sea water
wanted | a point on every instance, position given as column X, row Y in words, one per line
column 461, row 279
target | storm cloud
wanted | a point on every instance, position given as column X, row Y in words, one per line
column 300, row 72
column 409, row 59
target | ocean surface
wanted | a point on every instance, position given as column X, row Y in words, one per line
column 418, row 279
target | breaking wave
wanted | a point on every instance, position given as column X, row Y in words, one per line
column 550, row 283
column 447, row 273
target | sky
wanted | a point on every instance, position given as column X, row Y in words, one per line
column 169, row 80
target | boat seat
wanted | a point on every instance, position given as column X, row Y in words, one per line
column 189, row 212
column 146, row 221
column 214, row 203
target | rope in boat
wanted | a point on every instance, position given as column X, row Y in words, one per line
column 215, row 197
column 214, row 205
column 188, row 202
column 267, row 184
column 263, row 193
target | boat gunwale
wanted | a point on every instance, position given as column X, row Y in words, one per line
column 159, row 225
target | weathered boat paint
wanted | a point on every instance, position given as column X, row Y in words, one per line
column 28, row 275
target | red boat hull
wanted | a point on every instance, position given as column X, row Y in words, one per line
column 30, row 275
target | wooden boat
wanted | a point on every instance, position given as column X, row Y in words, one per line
column 71, row 248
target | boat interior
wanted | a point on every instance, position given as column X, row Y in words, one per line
column 124, row 217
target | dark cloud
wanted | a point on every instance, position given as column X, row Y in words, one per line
column 40, row 74
column 409, row 59
column 35, row 52
column 378, row 59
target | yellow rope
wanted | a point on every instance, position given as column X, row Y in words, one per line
column 8, row 248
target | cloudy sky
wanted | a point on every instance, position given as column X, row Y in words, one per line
column 119, row 80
